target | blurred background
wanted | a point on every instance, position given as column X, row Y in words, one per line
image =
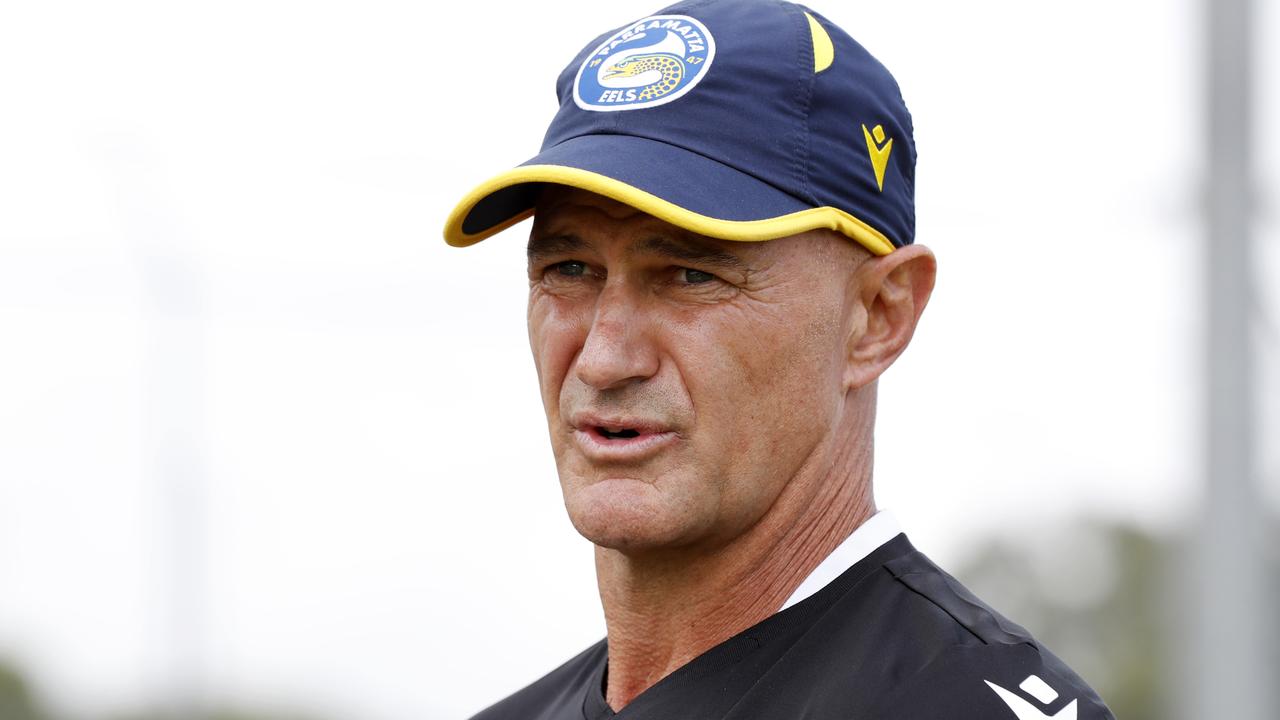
column 270, row 449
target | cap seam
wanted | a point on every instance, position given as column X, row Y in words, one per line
column 804, row 100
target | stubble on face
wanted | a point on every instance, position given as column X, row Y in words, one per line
column 744, row 371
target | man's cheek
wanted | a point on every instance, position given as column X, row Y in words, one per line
column 550, row 358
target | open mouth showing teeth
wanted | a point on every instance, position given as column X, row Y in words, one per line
column 619, row 433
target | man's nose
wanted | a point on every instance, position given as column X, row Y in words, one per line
column 618, row 349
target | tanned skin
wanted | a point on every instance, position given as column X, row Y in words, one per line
column 753, row 367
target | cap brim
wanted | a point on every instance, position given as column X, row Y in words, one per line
column 670, row 183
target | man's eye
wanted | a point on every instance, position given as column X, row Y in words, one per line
column 694, row 277
column 570, row 268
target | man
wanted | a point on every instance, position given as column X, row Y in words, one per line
column 720, row 267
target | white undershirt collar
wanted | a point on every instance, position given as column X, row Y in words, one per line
column 870, row 535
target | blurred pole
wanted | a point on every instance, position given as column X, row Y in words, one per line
column 1228, row 656
column 173, row 427
column 175, row 388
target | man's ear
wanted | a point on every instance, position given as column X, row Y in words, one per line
column 889, row 292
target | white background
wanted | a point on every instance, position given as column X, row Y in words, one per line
column 263, row 434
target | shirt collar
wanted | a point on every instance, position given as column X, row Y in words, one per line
column 866, row 538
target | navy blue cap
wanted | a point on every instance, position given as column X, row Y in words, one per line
column 735, row 119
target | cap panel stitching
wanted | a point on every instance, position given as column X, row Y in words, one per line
column 803, row 98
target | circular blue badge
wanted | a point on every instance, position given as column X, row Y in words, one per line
column 649, row 62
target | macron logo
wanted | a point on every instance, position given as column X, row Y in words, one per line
column 1041, row 691
column 878, row 148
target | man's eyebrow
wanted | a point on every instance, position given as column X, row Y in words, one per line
column 541, row 247
column 691, row 250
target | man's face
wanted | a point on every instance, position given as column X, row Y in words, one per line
column 685, row 379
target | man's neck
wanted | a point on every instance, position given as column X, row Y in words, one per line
column 662, row 613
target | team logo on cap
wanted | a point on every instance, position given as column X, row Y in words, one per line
column 650, row 62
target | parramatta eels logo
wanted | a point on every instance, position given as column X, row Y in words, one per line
column 650, row 62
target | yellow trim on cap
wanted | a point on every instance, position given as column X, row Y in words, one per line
column 824, row 52
column 744, row 230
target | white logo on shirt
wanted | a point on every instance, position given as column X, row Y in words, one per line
column 1041, row 691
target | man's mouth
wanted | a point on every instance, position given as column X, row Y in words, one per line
column 612, row 433
column 619, row 439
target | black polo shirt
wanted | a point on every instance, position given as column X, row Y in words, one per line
column 893, row 636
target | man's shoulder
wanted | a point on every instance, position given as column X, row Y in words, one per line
column 974, row 682
column 550, row 696
column 959, row 658
column 894, row 637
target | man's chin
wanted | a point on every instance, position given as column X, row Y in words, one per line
column 629, row 515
